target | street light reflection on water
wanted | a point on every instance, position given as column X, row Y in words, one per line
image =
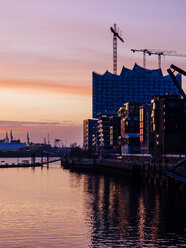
column 57, row 208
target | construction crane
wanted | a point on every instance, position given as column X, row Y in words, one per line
column 116, row 35
column 156, row 52
column 144, row 51
column 164, row 53
column 171, row 71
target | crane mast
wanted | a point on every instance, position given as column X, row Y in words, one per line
column 144, row 51
column 116, row 35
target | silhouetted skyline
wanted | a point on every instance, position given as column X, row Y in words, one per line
column 50, row 48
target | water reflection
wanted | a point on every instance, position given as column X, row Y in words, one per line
column 124, row 213
column 56, row 208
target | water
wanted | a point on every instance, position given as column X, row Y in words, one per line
column 57, row 208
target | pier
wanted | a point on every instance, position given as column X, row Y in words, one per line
column 26, row 163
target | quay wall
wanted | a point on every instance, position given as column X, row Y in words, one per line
column 152, row 172
column 75, row 163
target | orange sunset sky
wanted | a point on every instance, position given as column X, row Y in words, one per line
column 49, row 48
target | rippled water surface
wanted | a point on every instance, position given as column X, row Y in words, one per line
column 57, row 208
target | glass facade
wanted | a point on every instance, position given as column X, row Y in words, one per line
column 111, row 91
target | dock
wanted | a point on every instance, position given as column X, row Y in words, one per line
column 32, row 164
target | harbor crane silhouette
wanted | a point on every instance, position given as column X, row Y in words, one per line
column 160, row 53
column 116, row 34
column 164, row 53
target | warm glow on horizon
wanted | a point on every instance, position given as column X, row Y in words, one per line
column 48, row 50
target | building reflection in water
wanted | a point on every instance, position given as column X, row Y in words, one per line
column 155, row 220
column 124, row 213
column 141, row 225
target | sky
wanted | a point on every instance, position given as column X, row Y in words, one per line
column 49, row 49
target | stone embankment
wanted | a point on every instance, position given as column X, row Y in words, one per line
column 150, row 171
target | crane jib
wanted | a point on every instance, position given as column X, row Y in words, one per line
column 116, row 34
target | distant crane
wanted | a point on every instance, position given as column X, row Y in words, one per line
column 156, row 52
column 144, row 51
column 48, row 138
column 164, row 53
column 116, row 35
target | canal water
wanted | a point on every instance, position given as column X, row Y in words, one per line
column 57, row 208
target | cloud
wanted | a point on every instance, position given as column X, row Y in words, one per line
column 36, row 123
column 45, row 87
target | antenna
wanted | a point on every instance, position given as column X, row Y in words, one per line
column 11, row 136
column 48, row 139
column 28, row 138
column 6, row 135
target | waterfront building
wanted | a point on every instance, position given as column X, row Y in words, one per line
column 104, row 134
column 111, row 91
column 89, row 130
column 130, row 137
column 115, row 133
column 95, row 142
column 145, row 138
column 168, row 128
